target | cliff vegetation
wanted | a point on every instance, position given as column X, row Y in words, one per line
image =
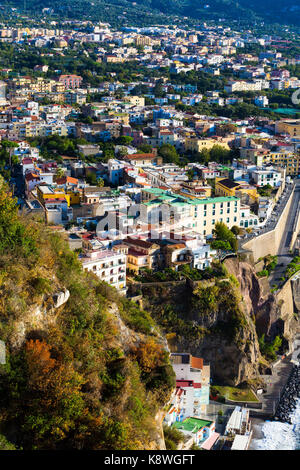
column 85, row 368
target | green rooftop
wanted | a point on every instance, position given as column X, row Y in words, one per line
column 211, row 200
column 191, row 424
column 175, row 199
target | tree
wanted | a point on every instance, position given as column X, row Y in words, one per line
column 169, row 154
column 220, row 246
column 100, row 182
column 124, row 140
column 122, row 152
column 223, row 233
column 60, row 173
column 190, row 173
column 150, row 355
column 219, row 154
column 92, row 179
column 145, row 148
column 15, row 236
column 236, row 230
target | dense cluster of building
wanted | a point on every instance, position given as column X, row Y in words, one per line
column 143, row 212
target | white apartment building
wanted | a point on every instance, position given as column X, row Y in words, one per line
column 256, row 85
column 108, row 265
column 264, row 177
column 247, row 219
column 200, row 215
column 265, row 207
column 193, row 377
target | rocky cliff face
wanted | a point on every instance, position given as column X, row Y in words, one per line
column 40, row 316
column 210, row 320
column 225, row 320
column 231, row 362
column 295, row 284
column 273, row 313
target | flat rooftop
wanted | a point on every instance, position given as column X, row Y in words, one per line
column 192, row 425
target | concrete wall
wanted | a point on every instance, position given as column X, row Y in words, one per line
column 296, row 229
column 268, row 243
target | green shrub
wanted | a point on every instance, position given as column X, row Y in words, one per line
column 263, row 273
column 40, row 285
column 172, row 437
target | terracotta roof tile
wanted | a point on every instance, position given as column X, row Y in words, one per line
column 196, row 362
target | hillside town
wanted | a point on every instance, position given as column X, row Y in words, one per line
column 154, row 175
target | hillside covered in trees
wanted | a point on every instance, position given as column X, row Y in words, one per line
column 117, row 11
column 85, row 368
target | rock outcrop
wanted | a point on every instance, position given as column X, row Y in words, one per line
column 273, row 312
column 295, row 283
column 60, row 298
column 39, row 316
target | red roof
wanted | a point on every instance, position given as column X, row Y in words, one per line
column 67, row 179
column 196, row 385
column 31, row 176
column 184, row 383
column 27, row 161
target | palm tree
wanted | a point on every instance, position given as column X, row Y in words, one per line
column 60, row 172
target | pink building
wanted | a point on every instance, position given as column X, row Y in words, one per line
column 71, row 81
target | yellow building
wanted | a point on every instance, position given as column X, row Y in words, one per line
column 289, row 126
column 141, row 255
column 193, row 144
column 120, row 117
column 49, row 192
column 142, row 41
column 288, row 160
column 136, row 100
column 227, row 187
column 113, row 59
